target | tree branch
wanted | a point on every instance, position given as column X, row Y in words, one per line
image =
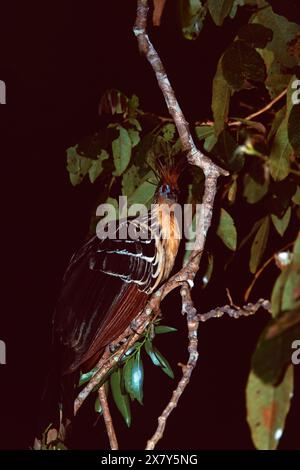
column 194, row 155
column 235, row 312
column 192, row 324
column 268, row 106
column 108, row 419
column 187, row 274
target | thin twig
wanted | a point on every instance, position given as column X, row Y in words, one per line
column 250, row 116
column 268, row 106
column 192, row 324
column 187, row 274
column 211, row 172
column 108, row 419
column 236, row 312
column 260, row 271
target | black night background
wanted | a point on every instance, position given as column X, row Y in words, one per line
column 57, row 59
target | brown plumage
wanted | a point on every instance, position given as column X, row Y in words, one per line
column 106, row 285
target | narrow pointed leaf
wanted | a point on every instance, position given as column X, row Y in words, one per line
column 85, row 377
column 226, row 230
column 164, row 364
column 122, row 401
column 134, row 377
column 279, row 160
column 164, row 329
column 259, row 244
column 97, row 406
column 121, row 148
column 221, row 93
column 151, row 353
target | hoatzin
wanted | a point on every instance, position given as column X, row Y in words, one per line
column 106, row 285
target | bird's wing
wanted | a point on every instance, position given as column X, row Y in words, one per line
column 103, row 291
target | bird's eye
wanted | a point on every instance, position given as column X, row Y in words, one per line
column 165, row 188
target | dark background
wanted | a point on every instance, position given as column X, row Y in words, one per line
column 57, row 60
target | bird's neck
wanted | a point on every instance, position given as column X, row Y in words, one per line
column 167, row 241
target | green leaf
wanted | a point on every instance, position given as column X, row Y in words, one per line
column 259, row 244
column 277, row 78
column 232, row 190
column 77, row 165
column 228, row 152
column 253, row 230
column 210, row 142
column 207, row 133
column 113, row 102
column 130, row 351
column 176, row 148
column 240, row 3
column 97, row 406
column 281, row 151
column 151, row 353
column 96, row 167
column 144, row 193
column 130, row 180
column 277, row 293
column 134, row 137
column 157, row 358
column 296, row 251
column 279, row 117
column 296, row 197
column 159, row 329
column 219, row 9
column 121, row 400
column 164, row 364
column 85, row 377
column 282, row 224
column 220, row 100
column 209, row 270
column 267, row 408
column 134, row 122
column 256, row 35
column 253, row 191
column 121, row 148
column 294, row 128
column 283, row 32
column 73, row 160
column 168, row 132
column 226, row 230
column 192, row 13
column 133, row 103
column 273, row 352
column 204, row 131
column 134, row 377
column 241, row 63
column 291, row 295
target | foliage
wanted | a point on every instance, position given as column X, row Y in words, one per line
column 262, row 153
column 127, row 379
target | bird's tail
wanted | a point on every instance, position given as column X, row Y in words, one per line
column 56, row 407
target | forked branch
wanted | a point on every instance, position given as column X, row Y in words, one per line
column 186, row 275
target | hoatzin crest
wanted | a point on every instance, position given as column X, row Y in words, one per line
column 106, row 285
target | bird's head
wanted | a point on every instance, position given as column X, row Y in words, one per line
column 169, row 172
